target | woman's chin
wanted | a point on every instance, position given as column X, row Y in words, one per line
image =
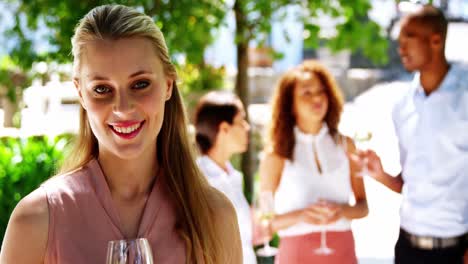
column 128, row 153
column 317, row 117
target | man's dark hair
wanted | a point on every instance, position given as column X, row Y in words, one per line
column 433, row 18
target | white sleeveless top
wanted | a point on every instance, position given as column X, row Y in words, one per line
column 302, row 184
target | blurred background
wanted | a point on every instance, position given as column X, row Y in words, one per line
column 238, row 45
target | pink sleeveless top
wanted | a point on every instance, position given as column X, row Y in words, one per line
column 82, row 219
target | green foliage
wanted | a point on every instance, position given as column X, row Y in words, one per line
column 361, row 36
column 24, row 164
column 196, row 80
column 7, row 69
column 186, row 25
column 354, row 30
column 254, row 18
column 200, row 78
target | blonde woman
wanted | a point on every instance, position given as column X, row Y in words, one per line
column 132, row 173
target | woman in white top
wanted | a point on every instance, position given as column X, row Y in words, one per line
column 221, row 131
column 307, row 168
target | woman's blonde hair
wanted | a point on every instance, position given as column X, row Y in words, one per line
column 187, row 186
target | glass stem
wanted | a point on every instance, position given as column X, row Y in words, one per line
column 323, row 238
column 266, row 246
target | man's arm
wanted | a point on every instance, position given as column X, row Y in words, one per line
column 374, row 165
column 394, row 183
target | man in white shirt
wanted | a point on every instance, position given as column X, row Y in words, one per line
column 431, row 124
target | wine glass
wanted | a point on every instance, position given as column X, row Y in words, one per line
column 265, row 212
column 132, row 251
column 323, row 249
column 362, row 141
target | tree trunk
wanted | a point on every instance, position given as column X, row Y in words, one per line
column 242, row 90
column 243, row 93
column 8, row 112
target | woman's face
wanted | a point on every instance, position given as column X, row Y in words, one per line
column 123, row 88
column 310, row 98
column 238, row 133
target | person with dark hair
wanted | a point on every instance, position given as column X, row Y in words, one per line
column 132, row 173
column 222, row 131
column 305, row 165
column 431, row 124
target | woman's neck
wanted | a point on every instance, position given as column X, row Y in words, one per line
column 310, row 127
column 129, row 179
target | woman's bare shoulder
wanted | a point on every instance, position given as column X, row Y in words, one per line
column 272, row 161
column 271, row 167
column 350, row 144
column 224, row 219
column 221, row 205
column 27, row 230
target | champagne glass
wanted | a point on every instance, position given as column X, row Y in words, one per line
column 265, row 212
column 362, row 141
column 132, row 251
column 323, row 249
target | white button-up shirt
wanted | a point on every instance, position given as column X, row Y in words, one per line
column 433, row 142
column 230, row 183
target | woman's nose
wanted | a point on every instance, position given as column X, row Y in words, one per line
column 123, row 104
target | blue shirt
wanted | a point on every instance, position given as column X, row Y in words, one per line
column 433, row 141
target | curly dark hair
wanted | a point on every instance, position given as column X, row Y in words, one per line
column 281, row 134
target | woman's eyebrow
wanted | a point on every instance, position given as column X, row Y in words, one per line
column 97, row 77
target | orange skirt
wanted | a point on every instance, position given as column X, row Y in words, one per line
column 300, row 249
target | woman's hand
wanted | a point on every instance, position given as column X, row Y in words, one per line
column 322, row 213
column 262, row 230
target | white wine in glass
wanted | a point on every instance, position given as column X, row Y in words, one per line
column 362, row 140
column 265, row 212
column 132, row 251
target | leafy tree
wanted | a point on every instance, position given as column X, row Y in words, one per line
column 11, row 78
column 186, row 25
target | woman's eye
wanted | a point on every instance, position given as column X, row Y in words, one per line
column 101, row 89
column 141, row 84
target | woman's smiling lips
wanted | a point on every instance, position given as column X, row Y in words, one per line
column 127, row 129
